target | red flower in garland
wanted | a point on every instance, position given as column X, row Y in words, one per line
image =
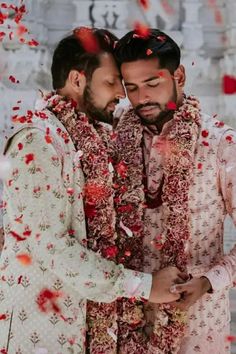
column 111, row 252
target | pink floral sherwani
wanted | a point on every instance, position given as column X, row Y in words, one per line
column 212, row 196
column 43, row 219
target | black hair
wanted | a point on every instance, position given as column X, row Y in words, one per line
column 155, row 44
column 73, row 53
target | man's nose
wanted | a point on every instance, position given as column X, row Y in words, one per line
column 143, row 97
column 120, row 91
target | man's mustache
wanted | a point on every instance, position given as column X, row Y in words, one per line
column 149, row 104
column 116, row 101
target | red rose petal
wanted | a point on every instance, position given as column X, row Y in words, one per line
column 17, row 236
column 144, row 4
column 229, row 85
column 205, row 133
column 171, row 106
column 33, row 43
column 229, row 138
column 29, row 158
column 24, row 259
column 149, row 52
column 199, row 166
column 141, row 30
column 167, row 7
column 205, row 143
column 87, row 39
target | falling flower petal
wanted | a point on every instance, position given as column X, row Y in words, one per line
column 48, row 139
column 149, row 52
column 167, row 7
column 229, row 85
column 46, row 301
column 33, row 43
column 171, row 106
column 29, row 158
column 20, row 146
column 141, row 30
column 128, row 232
column 87, row 39
column 144, row 4
column 17, row 236
column 230, row 338
column 21, row 30
column 229, row 138
column 205, row 133
column 199, row 166
column 24, row 259
column 205, row 143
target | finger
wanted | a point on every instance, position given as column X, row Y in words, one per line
column 180, row 288
column 185, row 276
column 179, row 280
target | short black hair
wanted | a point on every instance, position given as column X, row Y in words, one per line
column 155, row 44
column 72, row 52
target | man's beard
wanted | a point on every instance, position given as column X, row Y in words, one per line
column 165, row 114
column 94, row 113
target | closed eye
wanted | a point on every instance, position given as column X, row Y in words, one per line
column 131, row 88
column 153, row 83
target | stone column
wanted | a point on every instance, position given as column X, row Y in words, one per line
column 83, row 10
column 59, row 18
column 192, row 29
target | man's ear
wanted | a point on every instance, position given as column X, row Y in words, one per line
column 179, row 76
column 77, row 81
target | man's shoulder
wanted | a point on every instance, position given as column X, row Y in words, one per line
column 213, row 125
column 41, row 123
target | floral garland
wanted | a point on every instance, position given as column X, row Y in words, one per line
column 129, row 203
column 170, row 323
column 93, row 144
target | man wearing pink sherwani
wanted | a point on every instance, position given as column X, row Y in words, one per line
column 189, row 160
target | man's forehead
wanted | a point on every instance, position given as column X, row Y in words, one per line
column 141, row 70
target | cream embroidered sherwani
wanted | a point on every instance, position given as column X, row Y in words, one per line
column 212, row 196
column 43, row 217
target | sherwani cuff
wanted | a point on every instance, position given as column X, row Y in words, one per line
column 218, row 277
column 137, row 284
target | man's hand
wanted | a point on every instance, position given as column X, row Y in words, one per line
column 191, row 291
column 162, row 282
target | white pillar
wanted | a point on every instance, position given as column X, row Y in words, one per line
column 59, row 19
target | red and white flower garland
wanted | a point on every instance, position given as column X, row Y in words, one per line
column 169, row 326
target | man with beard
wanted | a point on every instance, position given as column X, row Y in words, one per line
column 190, row 169
column 57, row 200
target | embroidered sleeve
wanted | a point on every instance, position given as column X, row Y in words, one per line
column 223, row 274
column 36, row 197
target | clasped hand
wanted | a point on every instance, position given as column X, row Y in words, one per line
column 170, row 285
